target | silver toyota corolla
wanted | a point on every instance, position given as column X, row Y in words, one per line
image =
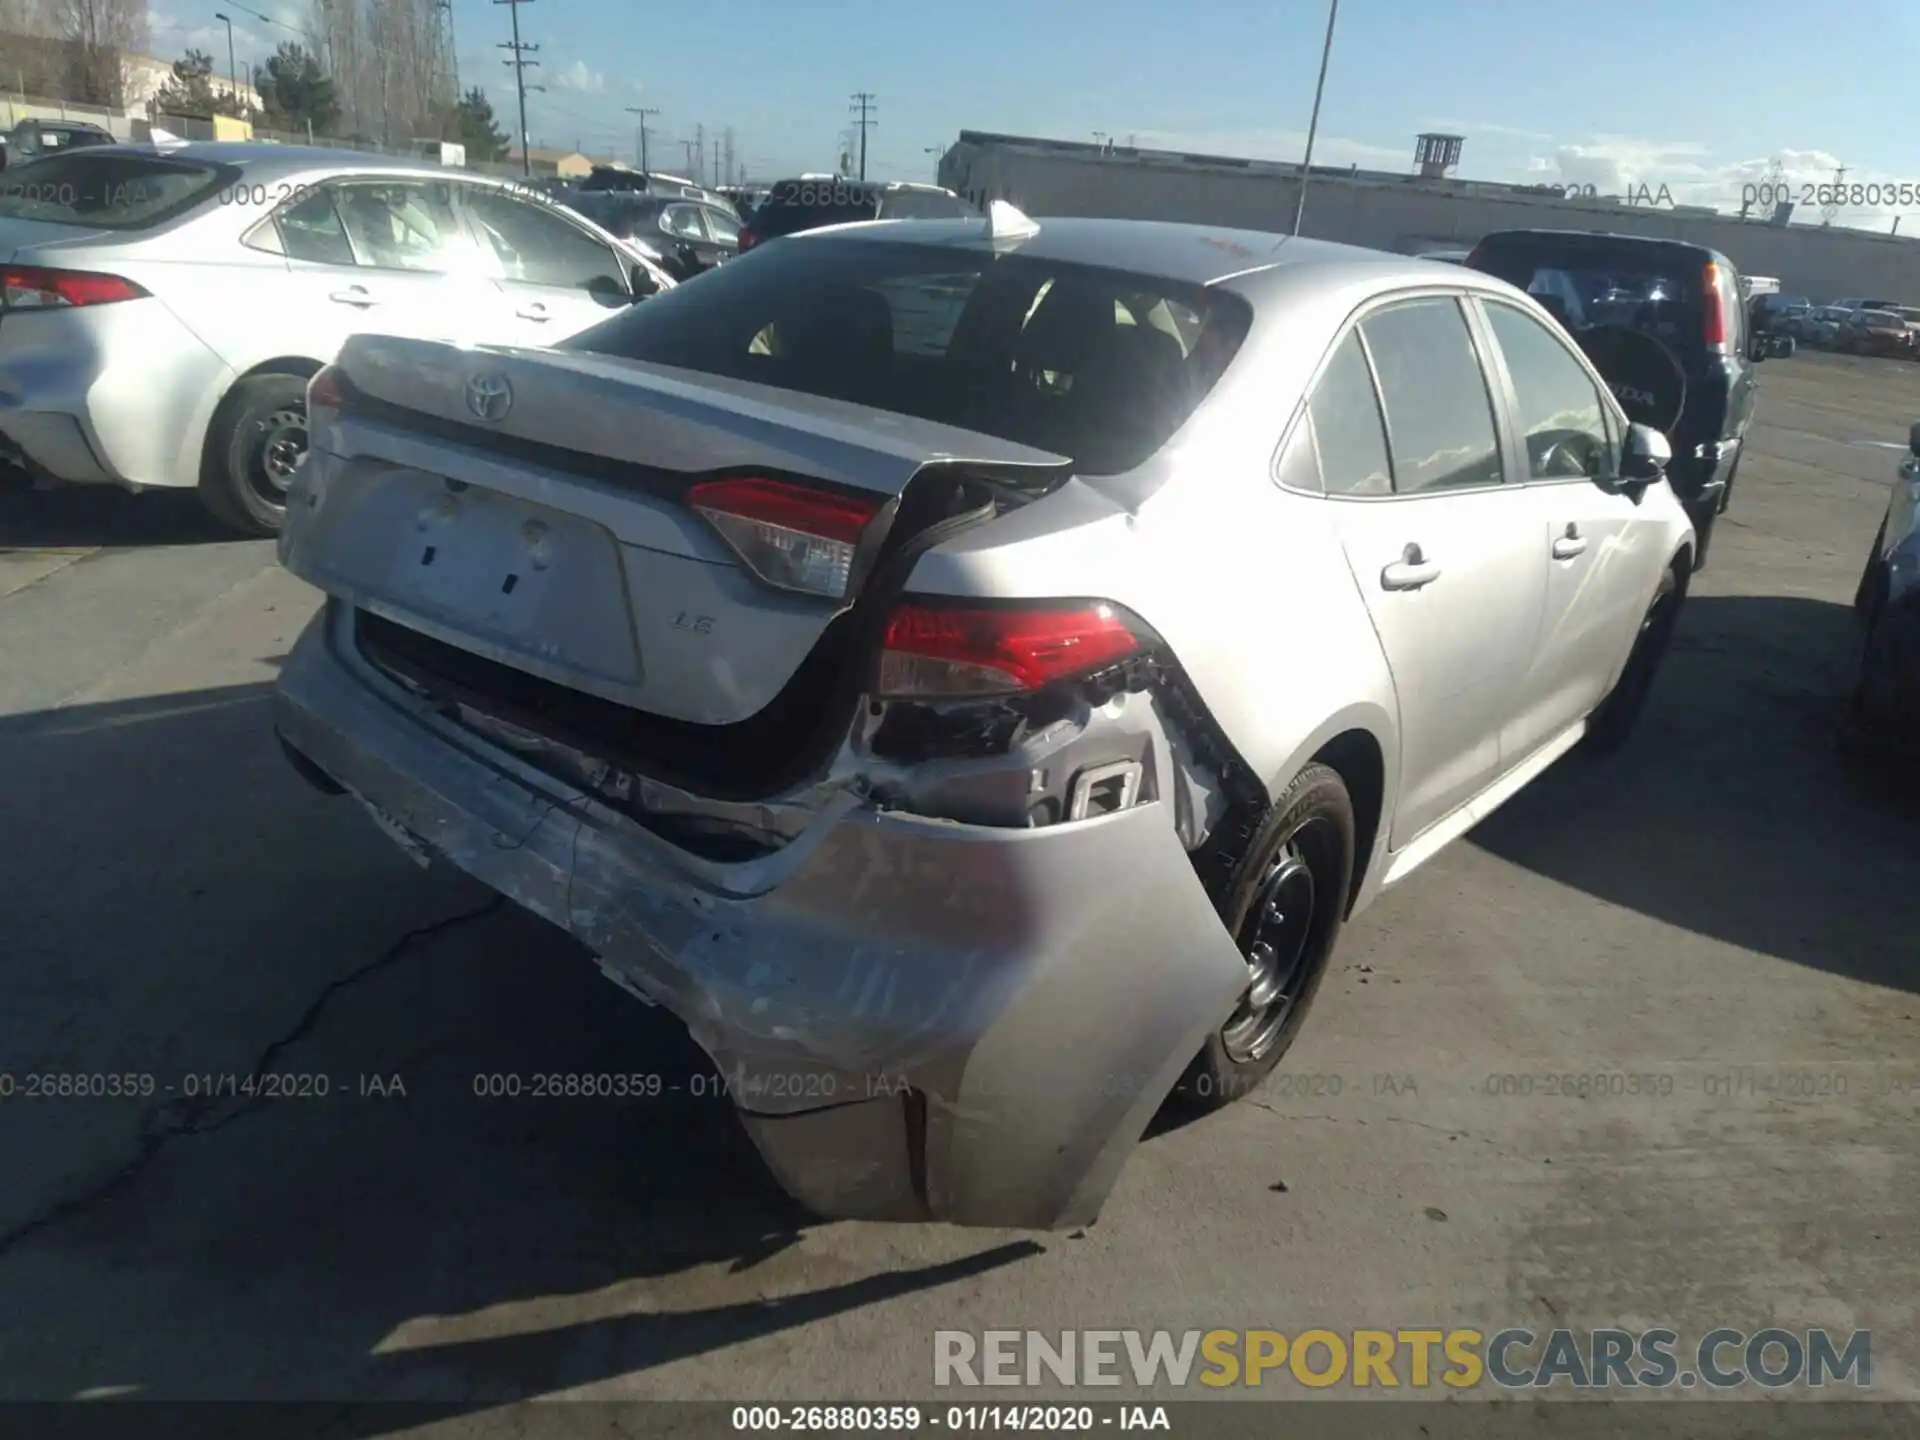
column 162, row 310
column 971, row 672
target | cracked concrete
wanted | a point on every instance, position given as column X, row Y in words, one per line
column 1718, row 905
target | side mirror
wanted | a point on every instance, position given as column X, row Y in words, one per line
column 1647, row 455
column 643, row 283
column 1913, row 439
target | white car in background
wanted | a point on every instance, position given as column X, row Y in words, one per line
column 162, row 311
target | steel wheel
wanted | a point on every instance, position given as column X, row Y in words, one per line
column 1277, row 941
column 280, row 443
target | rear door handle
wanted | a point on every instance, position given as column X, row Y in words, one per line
column 533, row 311
column 1411, row 571
column 353, row 295
column 1570, row 544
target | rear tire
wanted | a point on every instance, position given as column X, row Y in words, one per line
column 1285, row 905
column 1610, row 726
column 257, row 436
column 1871, row 593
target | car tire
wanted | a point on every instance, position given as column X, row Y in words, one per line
column 1613, row 721
column 1726, row 491
column 258, row 432
column 1284, row 903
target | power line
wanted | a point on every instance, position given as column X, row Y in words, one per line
column 517, row 58
column 862, row 108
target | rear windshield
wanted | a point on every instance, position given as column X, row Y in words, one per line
column 1097, row 365
column 107, row 192
column 1647, row 293
column 797, row 205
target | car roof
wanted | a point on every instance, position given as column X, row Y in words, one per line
column 1603, row 240
column 1165, row 249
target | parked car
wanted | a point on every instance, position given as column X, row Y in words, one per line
column 163, row 312
column 685, row 237
column 1449, row 257
column 31, row 139
column 1822, row 325
column 620, row 180
column 1883, row 719
column 814, row 201
column 1852, row 303
column 975, row 733
column 1780, row 314
column 1664, row 322
column 745, row 198
column 1875, row 332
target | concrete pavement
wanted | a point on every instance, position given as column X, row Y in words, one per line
column 1722, row 905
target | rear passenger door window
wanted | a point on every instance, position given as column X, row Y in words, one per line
column 1440, row 427
column 1563, row 420
column 405, row 225
column 1345, row 415
column 310, row 230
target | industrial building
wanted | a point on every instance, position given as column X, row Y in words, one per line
column 1427, row 208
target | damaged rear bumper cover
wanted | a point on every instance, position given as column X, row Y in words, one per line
column 919, row 1019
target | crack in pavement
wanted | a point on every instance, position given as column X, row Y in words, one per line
column 174, row 1118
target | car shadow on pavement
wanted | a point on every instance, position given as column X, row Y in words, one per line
column 393, row 1226
column 1731, row 812
column 93, row 516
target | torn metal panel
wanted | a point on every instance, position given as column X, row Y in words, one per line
column 1021, row 1000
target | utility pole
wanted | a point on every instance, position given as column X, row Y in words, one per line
column 641, row 133
column 517, row 58
column 699, row 154
column 1313, row 125
column 727, row 140
column 862, row 109
column 1832, row 207
column 233, row 70
column 687, row 147
column 935, row 150
column 453, row 51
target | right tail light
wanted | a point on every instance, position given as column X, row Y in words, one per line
column 934, row 651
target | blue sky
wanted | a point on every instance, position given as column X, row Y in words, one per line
column 1698, row 96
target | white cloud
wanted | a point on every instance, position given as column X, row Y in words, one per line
column 1474, row 128
column 578, row 77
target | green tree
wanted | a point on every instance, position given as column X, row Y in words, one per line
column 472, row 124
column 195, row 92
column 296, row 92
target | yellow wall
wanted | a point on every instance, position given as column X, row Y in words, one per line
column 225, row 127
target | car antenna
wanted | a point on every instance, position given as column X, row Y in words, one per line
column 1006, row 222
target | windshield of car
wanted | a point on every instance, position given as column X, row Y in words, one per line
column 108, row 191
column 1097, row 365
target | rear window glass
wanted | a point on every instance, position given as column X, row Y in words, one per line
column 1645, row 293
column 924, row 205
column 108, row 192
column 1097, row 365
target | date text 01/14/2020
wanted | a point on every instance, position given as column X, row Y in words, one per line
column 907, row 1419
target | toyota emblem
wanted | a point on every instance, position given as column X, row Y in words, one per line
column 489, row 397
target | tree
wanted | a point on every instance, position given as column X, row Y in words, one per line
column 100, row 35
column 473, row 125
column 296, row 92
column 193, row 91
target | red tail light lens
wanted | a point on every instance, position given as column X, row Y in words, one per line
column 792, row 536
column 747, row 241
column 948, row 651
column 328, row 389
column 1714, row 306
column 28, row 287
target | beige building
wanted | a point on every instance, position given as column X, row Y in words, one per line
column 1400, row 212
column 147, row 76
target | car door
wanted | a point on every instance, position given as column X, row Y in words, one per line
column 386, row 256
column 1601, row 556
column 723, row 231
column 557, row 276
column 1445, row 553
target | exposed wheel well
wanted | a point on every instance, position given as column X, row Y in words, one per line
column 1356, row 756
column 304, row 366
column 1682, row 566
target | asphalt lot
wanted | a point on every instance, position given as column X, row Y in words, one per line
column 1721, row 904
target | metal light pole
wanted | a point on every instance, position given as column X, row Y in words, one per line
column 233, row 70
column 640, row 133
column 1313, row 125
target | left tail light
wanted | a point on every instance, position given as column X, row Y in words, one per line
column 934, row 651
column 1713, row 331
column 793, row 537
column 329, row 389
column 29, row 287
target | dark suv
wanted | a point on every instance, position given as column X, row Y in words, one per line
column 1663, row 322
column 816, row 200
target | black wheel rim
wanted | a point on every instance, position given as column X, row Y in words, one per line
column 274, row 452
column 1278, row 940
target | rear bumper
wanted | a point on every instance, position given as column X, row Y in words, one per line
column 920, row 1019
column 107, row 395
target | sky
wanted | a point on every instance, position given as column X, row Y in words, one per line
column 1703, row 97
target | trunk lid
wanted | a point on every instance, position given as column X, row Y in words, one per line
column 555, row 539
column 22, row 240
